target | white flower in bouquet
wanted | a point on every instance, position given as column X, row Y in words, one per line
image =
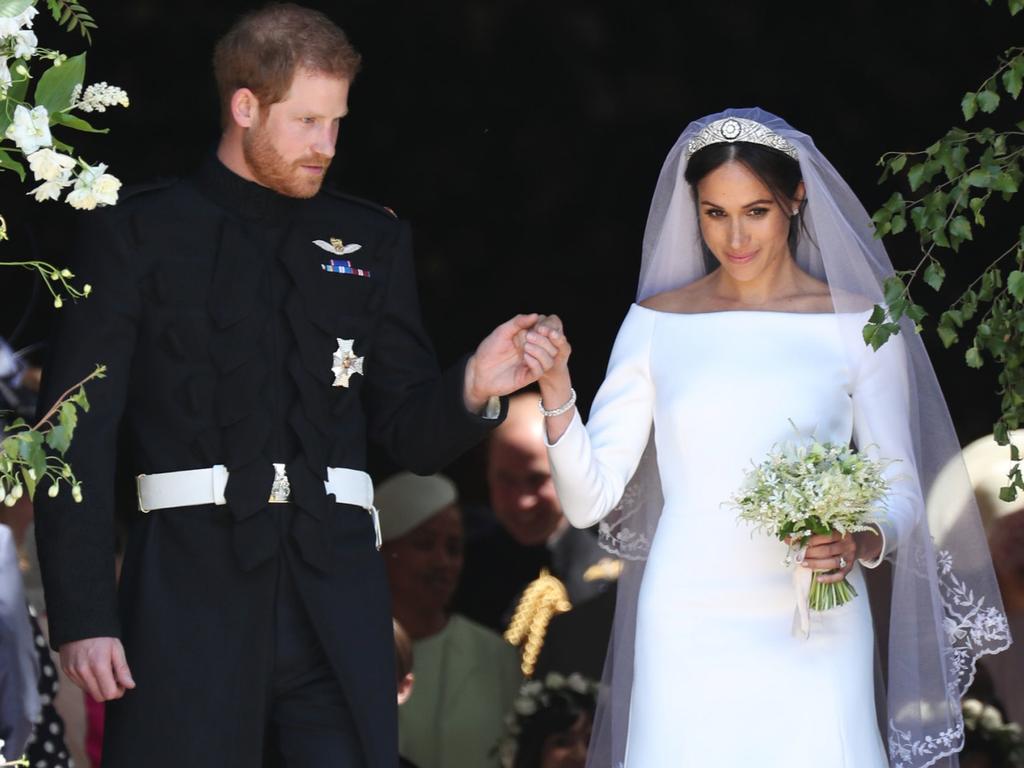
column 814, row 488
column 30, row 129
column 48, row 165
column 5, row 77
column 11, row 25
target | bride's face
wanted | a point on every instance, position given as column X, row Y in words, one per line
column 742, row 222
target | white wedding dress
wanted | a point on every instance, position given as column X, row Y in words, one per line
column 720, row 678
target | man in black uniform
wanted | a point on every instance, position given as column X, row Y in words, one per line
column 257, row 331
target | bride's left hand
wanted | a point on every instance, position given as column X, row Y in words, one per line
column 833, row 555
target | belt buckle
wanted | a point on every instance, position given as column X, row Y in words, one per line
column 281, row 489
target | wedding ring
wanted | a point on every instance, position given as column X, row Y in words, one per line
column 842, row 562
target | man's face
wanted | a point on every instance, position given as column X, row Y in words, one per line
column 290, row 144
column 522, row 492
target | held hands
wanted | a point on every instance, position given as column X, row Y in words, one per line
column 98, row 666
column 519, row 352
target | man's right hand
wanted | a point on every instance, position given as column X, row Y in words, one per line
column 98, row 666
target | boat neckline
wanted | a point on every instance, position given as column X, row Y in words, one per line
column 747, row 312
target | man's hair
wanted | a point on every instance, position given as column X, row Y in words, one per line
column 263, row 50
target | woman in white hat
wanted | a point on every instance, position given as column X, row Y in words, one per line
column 466, row 675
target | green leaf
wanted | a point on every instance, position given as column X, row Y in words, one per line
column 973, row 358
column 57, row 83
column 969, row 105
column 1014, row 453
column 916, row 312
column 1012, row 82
column 893, row 288
column 961, row 227
column 1015, row 284
column 895, row 204
column 952, row 317
column 877, row 334
column 10, row 8
column 918, row 215
column 8, row 162
column 878, row 314
column 988, row 100
column 898, row 224
column 897, row 163
column 1007, row 493
column 1016, row 6
column 947, row 335
column 934, row 274
column 59, row 438
column 915, row 176
column 979, row 178
column 73, row 121
column 1005, row 183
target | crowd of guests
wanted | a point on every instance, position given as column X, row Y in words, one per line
column 459, row 579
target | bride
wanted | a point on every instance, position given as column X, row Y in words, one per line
column 759, row 273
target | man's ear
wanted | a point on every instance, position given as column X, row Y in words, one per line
column 244, row 107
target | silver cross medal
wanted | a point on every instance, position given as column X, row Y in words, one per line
column 346, row 363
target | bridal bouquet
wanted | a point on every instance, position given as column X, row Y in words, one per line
column 813, row 488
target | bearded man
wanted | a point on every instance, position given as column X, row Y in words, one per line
column 258, row 330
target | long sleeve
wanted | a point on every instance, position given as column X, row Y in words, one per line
column 76, row 541
column 881, row 429
column 592, row 465
column 417, row 413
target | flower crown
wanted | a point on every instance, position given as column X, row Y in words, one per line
column 534, row 696
column 730, row 129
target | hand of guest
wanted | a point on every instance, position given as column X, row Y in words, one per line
column 834, row 555
column 499, row 365
column 98, row 666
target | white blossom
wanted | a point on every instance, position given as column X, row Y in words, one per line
column 48, row 165
column 98, row 97
column 50, row 190
column 5, row 77
column 82, row 199
column 25, row 43
column 11, row 25
column 93, row 187
column 30, row 129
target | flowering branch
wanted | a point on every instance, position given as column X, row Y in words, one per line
column 24, row 461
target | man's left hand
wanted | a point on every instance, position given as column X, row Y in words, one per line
column 499, row 367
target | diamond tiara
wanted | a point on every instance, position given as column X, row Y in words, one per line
column 732, row 129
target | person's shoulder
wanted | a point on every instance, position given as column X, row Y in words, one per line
column 686, row 298
column 152, row 193
column 380, row 214
column 477, row 635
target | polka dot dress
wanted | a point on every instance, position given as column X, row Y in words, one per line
column 46, row 748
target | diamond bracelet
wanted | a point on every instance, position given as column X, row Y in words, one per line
column 560, row 409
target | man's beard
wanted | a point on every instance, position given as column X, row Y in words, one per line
column 273, row 171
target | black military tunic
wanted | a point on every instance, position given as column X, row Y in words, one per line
column 218, row 317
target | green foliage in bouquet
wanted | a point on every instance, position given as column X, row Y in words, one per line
column 990, row 740
column 950, row 186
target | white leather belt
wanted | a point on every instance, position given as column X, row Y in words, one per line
column 192, row 487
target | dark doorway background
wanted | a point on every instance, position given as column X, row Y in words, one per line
column 522, row 138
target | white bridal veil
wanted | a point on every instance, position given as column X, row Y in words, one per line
column 944, row 610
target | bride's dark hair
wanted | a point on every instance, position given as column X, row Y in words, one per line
column 776, row 170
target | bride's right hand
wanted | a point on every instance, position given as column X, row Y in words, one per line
column 547, row 353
